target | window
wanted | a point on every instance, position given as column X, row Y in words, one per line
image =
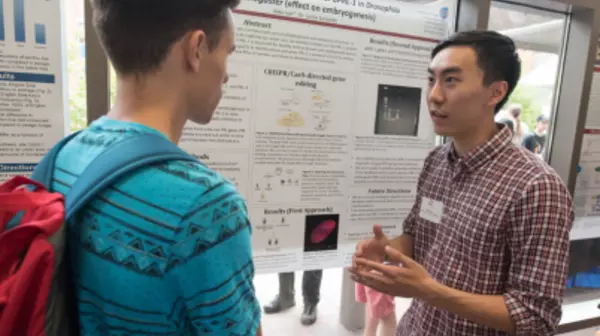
column 75, row 34
column 112, row 77
column 539, row 37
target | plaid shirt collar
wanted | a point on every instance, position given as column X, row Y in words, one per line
column 483, row 153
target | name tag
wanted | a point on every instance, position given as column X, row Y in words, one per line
column 431, row 210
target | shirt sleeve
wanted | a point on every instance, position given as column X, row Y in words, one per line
column 211, row 268
column 410, row 222
column 538, row 238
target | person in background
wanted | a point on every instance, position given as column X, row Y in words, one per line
column 514, row 112
column 485, row 248
column 311, row 288
column 380, row 311
column 166, row 250
column 509, row 124
column 536, row 142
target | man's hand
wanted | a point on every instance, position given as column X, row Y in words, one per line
column 407, row 279
column 259, row 330
column 372, row 249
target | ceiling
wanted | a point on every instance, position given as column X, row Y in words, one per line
column 541, row 22
column 544, row 37
column 553, row 5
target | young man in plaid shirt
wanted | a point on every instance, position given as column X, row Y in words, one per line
column 485, row 247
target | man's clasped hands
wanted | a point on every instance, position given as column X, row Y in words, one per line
column 378, row 264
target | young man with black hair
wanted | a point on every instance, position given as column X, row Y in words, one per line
column 536, row 142
column 150, row 255
column 509, row 123
column 485, row 247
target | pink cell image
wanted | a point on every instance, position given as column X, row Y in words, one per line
column 322, row 231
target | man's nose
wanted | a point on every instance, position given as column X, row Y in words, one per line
column 435, row 94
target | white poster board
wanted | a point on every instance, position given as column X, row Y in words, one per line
column 323, row 126
column 587, row 188
column 32, row 113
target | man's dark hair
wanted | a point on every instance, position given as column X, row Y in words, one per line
column 138, row 34
column 542, row 118
column 509, row 124
column 496, row 56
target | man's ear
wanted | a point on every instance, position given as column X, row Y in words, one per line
column 498, row 90
column 196, row 47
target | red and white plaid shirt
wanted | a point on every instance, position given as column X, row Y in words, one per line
column 504, row 231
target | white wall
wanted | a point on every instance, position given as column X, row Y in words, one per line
column 586, row 332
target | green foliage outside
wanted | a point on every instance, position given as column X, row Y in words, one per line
column 77, row 91
column 113, row 83
column 530, row 109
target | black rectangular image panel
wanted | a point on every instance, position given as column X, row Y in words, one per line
column 398, row 109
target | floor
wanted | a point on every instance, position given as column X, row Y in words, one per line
column 328, row 324
column 288, row 323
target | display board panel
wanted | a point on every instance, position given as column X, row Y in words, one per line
column 584, row 267
column 32, row 107
column 587, row 192
column 323, row 126
column 587, row 188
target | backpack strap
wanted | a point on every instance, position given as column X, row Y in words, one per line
column 45, row 169
column 43, row 173
column 118, row 160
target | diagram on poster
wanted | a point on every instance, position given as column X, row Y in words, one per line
column 269, row 232
column 318, row 108
column 276, row 185
column 302, row 100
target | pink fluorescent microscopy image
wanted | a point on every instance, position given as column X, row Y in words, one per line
column 322, row 231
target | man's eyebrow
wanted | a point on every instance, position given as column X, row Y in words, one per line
column 446, row 71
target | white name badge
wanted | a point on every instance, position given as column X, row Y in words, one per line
column 431, row 210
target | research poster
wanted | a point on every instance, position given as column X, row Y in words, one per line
column 323, row 126
column 32, row 109
column 587, row 188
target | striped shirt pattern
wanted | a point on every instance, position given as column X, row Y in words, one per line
column 164, row 251
column 504, row 231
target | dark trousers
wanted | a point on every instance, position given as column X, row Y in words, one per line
column 311, row 286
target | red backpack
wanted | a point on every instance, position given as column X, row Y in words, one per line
column 30, row 259
column 37, row 294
